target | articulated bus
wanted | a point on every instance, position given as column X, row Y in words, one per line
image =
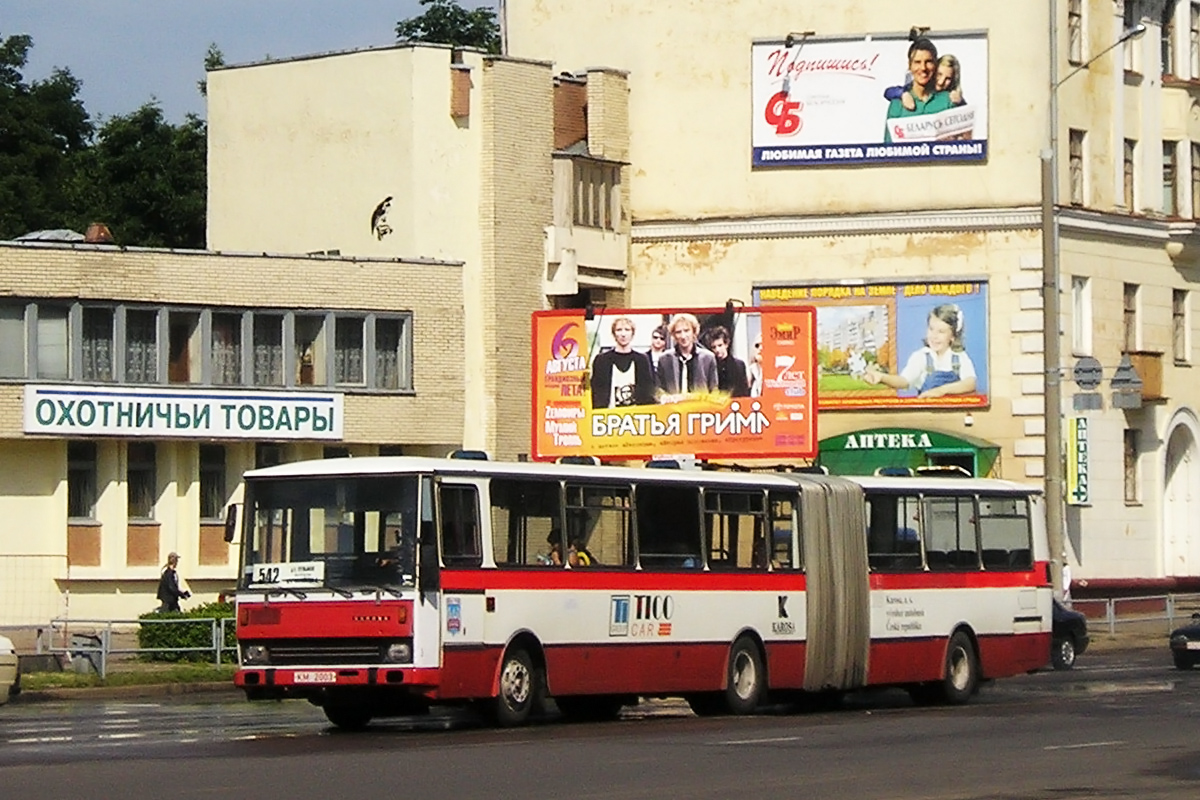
column 379, row 586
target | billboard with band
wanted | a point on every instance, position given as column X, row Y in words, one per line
column 887, row 345
column 871, row 99
column 624, row 384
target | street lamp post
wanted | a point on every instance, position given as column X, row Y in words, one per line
column 1051, row 303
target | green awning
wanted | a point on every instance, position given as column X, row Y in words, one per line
column 863, row 452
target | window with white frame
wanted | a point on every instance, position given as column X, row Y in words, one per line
column 1170, row 178
column 1075, row 32
column 141, row 346
column 12, row 340
column 1129, row 175
column 1076, row 166
column 1132, row 446
column 1130, row 318
column 52, row 337
column 1194, row 41
column 1167, row 31
column 1129, row 19
column 141, row 475
column 227, row 349
column 97, row 344
column 1180, row 329
column 1081, row 315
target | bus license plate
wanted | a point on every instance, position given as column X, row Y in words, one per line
column 322, row 676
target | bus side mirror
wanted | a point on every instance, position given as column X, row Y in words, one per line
column 429, row 576
column 231, row 522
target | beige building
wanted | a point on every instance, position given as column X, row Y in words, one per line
column 381, row 226
column 760, row 168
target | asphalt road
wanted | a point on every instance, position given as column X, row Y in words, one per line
column 1122, row 724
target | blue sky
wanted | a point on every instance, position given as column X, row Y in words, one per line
column 129, row 52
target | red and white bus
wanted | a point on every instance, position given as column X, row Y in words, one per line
column 377, row 586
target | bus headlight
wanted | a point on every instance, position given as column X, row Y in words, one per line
column 399, row 653
column 255, row 654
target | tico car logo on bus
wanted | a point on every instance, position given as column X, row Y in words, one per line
column 640, row 615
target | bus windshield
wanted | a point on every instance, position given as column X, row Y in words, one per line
column 344, row 534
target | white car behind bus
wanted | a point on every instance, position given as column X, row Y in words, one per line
column 10, row 679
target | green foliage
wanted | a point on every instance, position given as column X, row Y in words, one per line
column 446, row 22
column 164, row 637
column 129, row 675
column 42, row 126
column 146, row 178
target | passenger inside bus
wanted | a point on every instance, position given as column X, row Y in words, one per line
column 577, row 553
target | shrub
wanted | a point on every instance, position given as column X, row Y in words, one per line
column 167, row 640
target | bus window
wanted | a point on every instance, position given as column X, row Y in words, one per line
column 893, row 533
column 735, row 529
column 526, row 515
column 668, row 526
column 784, row 526
column 460, row 526
column 598, row 523
column 950, row 540
column 1004, row 532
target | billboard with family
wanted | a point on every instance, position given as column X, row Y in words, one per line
column 913, row 97
column 887, row 345
column 627, row 384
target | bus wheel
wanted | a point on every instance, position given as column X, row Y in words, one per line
column 746, row 678
column 960, row 679
column 518, row 690
column 590, row 708
column 348, row 716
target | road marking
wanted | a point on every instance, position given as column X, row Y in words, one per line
column 759, row 741
column 41, row 740
column 1081, row 746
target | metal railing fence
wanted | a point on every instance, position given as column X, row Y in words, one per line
column 100, row 641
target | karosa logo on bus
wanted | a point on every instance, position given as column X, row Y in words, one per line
column 651, row 615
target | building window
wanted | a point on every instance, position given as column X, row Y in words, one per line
column 1167, row 29
column 267, row 454
column 1130, row 18
column 1170, row 179
column 97, row 345
column 1130, row 300
column 1129, row 182
column 1195, row 180
column 1076, row 154
column 52, row 337
column 12, row 340
column 390, row 355
column 1132, row 490
column 310, row 350
column 227, row 349
column 141, row 479
column 212, row 481
column 183, row 365
column 1075, row 32
column 597, row 194
column 81, row 480
column 1180, row 344
column 1194, row 41
column 348, row 350
column 268, row 350
column 1081, row 315
column 141, row 346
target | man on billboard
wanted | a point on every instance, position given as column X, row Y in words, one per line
column 622, row 376
column 689, row 368
column 731, row 371
column 926, row 99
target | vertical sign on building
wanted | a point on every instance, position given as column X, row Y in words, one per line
column 1077, row 461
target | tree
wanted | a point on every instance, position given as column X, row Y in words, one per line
column 213, row 59
column 42, row 126
column 146, row 178
column 446, row 22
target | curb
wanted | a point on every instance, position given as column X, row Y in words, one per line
column 125, row 692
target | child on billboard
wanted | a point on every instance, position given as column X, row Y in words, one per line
column 941, row 366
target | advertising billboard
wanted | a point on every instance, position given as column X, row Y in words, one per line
column 887, row 345
column 622, row 384
column 870, row 99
